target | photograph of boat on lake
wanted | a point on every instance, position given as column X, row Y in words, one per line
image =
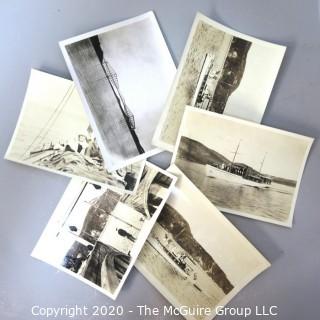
column 242, row 167
column 118, row 71
column 96, row 233
column 194, row 256
column 53, row 133
column 222, row 71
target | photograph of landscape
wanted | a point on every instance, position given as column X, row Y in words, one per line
column 242, row 168
column 187, row 255
column 221, row 71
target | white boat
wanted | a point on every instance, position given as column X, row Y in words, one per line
column 173, row 258
column 239, row 173
column 214, row 172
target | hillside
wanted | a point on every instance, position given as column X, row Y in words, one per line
column 176, row 225
column 195, row 151
column 286, row 182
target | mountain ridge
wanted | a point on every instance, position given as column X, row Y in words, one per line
column 179, row 228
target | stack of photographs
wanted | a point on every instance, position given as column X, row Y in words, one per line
column 126, row 102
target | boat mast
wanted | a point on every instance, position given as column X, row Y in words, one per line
column 204, row 62
column 262, row 162
column 43, row 132
column 236, row 152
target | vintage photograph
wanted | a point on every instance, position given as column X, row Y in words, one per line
column 194, row 256
column 53, row 133
column 123, row 73
column 96, row 233
column 222, row 71
column 242, row 167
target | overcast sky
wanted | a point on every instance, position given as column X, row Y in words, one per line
column 139, row 55
column 44, row 95
column 249, row 100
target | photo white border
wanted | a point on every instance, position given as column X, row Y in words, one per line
column 288, row 223
column 157, row 140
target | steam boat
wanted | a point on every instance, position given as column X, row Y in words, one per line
column 181, row 262
column 239, row 173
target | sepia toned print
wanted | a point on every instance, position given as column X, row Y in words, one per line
column 118, row 71
column 96, row 233
column 194, row 256
column 222, row 71
column 53, row 133
column 243, row 168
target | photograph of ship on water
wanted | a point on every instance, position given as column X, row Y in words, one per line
column 222, row 71
column 118, row 71
column 242, row 167
column 96, row 233
column 53, row 133
column 194, row 256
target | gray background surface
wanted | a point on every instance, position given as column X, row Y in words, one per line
column 30, row 31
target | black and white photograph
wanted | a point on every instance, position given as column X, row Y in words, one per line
column 221, row 71
column 242, row 167
column 123, row 73
column 194, row 256
column 96, row 233
column 54, row 134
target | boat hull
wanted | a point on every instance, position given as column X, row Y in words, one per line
column 217, row 173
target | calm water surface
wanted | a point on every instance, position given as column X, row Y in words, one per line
column 172, row 282
column 274, row 202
